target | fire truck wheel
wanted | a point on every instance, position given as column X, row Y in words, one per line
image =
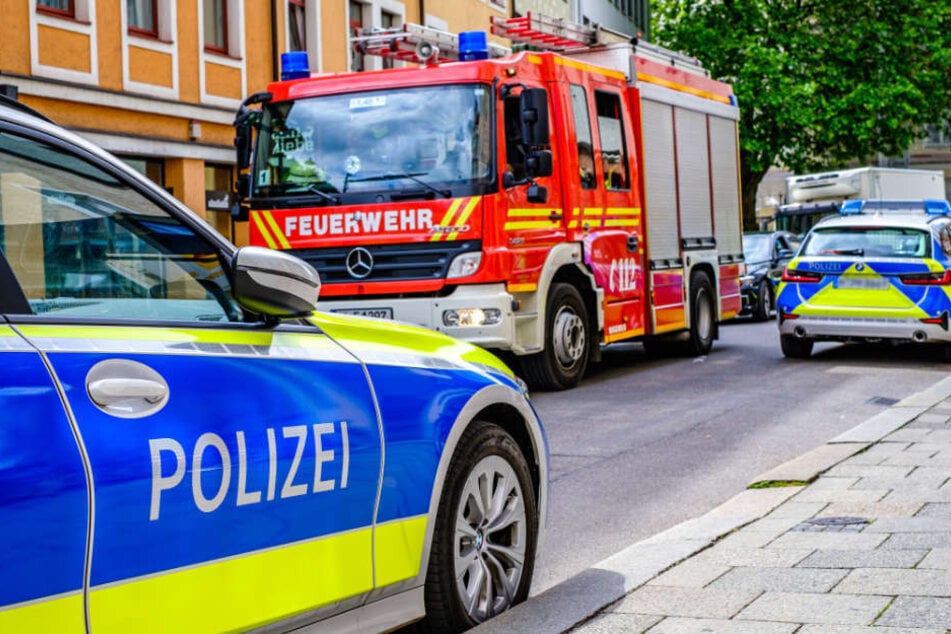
column 567, row 342
column 483, row 552
column 703, row 324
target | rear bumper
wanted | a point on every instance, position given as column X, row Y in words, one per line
column 863, row 329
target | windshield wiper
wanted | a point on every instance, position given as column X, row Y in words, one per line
column 286, row 189
column 415, row 177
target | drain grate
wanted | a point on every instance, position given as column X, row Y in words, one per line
column 882, row 400
column 833, row 524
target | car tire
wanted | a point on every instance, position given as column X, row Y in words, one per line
column 567, row 342
column 795, row 348
column 474, row 569
column 764, row 302
column 703, row 322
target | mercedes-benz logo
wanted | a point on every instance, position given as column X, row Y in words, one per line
column 359, row 263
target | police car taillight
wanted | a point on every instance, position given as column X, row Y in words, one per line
column 927, row 279
column 807, row 277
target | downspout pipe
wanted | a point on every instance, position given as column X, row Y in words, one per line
column 275, row 55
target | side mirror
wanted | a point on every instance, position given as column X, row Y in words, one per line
column 533, row 104
column 274, row 284
column 784, row 254
column 242, row 143
column 539, row 163
column 537, row 193
column 508, row 179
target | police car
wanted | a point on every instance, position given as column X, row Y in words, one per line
column 185, row 446
column 878, row 272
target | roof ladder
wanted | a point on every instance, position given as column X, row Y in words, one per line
column 414, row 43
column 546, row 33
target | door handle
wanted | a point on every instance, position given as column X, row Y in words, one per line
column 556, row 215
column 107, row 391
column 126, row 389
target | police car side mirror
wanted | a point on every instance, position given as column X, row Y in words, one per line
column 274, row 284
column 784, row 254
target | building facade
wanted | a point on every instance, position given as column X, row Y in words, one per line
column 158, row 82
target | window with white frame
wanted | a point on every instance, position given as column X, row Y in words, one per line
column 215, row 19
column 142, row 16
column 65, row 8
column 297, row 25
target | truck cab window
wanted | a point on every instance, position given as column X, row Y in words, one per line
column 514, row 148
column 587, row 173
column 613, row 148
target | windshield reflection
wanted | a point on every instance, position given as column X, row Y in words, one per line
column 434, row 139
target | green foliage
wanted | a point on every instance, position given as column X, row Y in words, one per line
column 819, row 82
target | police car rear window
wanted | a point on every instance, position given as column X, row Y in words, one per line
column 884, row 242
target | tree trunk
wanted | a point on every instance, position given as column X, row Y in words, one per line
column 749, row 183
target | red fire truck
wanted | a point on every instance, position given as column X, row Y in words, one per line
column 542, row 203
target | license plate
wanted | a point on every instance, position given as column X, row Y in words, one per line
column 863, row 283
column 379, row 313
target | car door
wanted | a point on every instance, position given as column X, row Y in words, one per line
column 235, row 464
column 43, row 496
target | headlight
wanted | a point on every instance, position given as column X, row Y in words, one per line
column 464, row 264
column 472, row 317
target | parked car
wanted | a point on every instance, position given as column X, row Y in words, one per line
column 879, row 272
column 187, row 447
column 766, row 255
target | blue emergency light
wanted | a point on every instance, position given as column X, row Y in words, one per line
column 851, row 207
column 294, row 65
column 937, row 207
column 473, row 46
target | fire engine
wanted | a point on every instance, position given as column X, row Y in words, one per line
column 541, row 203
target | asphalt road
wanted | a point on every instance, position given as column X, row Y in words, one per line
column 644, row 444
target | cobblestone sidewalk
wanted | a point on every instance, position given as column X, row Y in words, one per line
column 865, row 547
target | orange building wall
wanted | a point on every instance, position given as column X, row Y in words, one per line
column 187, row 41
column 150, row 67
column 15, row 51
column 64, row 49
column 257, row 43
column 223, row 81
column 333, row 36
column 109, row 36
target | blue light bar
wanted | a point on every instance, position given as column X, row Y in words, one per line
column 937, row 207
column 851, row 207
column 294, row 65
column 473, row 46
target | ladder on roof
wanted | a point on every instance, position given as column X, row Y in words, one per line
column 557, row 34
column 414, row 43
column 546, row 33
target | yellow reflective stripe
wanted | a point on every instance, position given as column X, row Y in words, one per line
column 239, row 593
column 622, row 222
column 534, row 59
column 530, row 213
column 280, row 345
column 447, row 218
column 537, row 224
column 277, row 231
column 262, row 228
column 62, row 614
column 623, row 211
column 591, row 68
column 650, row 79
column 398, row 550
column 470, row 206
column 522, row 288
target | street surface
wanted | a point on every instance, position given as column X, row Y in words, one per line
column 644, row 444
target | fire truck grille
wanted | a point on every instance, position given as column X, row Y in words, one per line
column 386, row 262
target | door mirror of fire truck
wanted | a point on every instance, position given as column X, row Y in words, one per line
column 534, row 107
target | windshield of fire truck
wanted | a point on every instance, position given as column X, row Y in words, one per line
column 426, row 141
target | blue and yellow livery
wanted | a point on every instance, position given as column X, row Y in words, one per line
column 879, row 272
column 185, row 445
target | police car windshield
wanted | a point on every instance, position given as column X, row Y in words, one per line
column 441, row 135
column 880, row 242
